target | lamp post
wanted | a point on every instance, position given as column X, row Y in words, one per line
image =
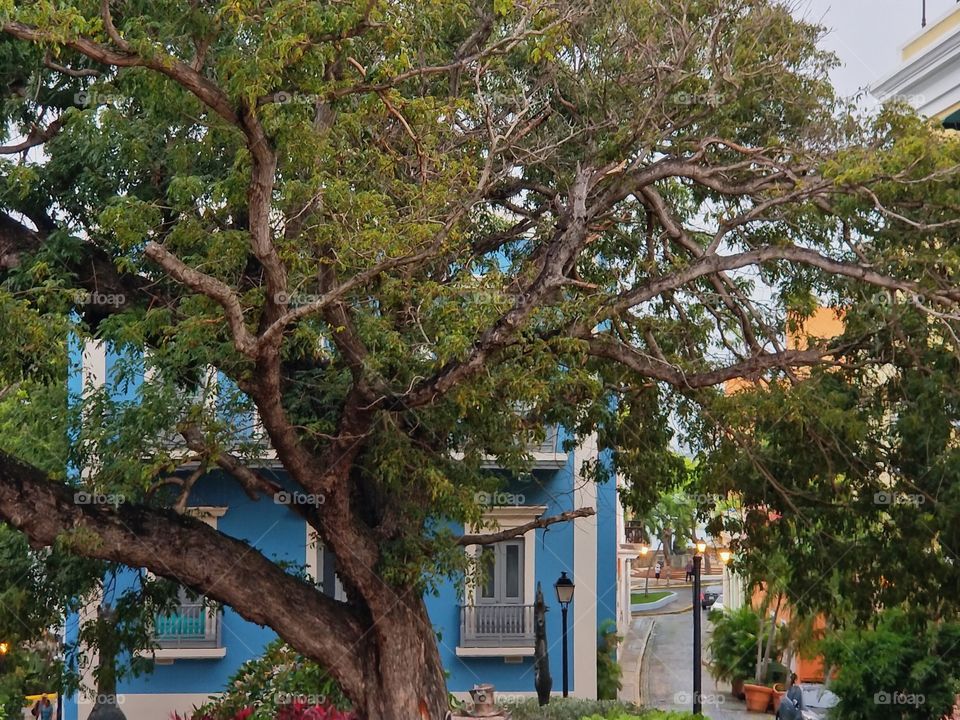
column 564, row 587
column 697, row 616
column 644, row 551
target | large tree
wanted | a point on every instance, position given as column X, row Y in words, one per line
column 410, row 235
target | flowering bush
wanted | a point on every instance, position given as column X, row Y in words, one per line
column 291, row 711
column 279, row 685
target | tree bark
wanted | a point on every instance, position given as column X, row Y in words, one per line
column 402, row 676
column 382, row 652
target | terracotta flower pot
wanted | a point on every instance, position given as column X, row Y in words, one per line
column 758, row 697
column 778, row 692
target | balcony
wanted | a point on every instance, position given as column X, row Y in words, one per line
column 546, row 455
column 497, row 626
column 636, row 532
column 194, row 626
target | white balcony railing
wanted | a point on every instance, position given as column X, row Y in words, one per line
column 496, row 626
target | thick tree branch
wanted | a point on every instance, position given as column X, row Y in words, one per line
column 191, row 553
column 37, row 136
column 210, row 287
column 657, row 369
column 180, row 72
column 540, row 522
column 712, row 264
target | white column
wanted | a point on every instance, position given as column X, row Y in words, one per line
column 584, row 620
column 93, row 374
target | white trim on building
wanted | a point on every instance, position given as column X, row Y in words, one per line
column 584, row 620
column 928, row 77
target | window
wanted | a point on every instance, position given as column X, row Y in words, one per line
column 501, row 566
column 193, row 629
column 322, row 567
column 327, row 573
column 496, row 617
column 194, row 624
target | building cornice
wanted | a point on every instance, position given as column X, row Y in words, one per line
column 914, row 79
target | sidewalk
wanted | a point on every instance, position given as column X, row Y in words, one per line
column 666, row 670
column 634, row 647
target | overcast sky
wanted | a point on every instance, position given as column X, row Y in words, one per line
column 867, row 34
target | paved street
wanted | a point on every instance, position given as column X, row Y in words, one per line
column 666, row 675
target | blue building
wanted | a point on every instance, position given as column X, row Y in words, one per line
column 484, row 631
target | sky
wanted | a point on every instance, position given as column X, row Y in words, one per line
column 867, row 34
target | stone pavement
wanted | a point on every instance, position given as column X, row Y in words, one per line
column 634, row 646
column 666, row 669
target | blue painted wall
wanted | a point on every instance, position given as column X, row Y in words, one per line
column 281, row 535
column 607, row 500
column 553, row 554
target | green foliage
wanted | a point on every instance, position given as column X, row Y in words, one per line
column 609, row 671
column 733, row 644
column 902, row 667
column 570, row 709
column 851, row 474
column 428, row 162
column 277, row 678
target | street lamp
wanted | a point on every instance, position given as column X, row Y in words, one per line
column 564, row 587
column 724, row 556
column 697, row 616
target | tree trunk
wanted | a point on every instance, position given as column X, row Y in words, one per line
column 667, row 541
column 771, row 638
column 403, row 678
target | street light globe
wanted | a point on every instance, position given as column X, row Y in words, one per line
column 701, row 546
column 644, row 549
column 724, row 556
column 564, row 587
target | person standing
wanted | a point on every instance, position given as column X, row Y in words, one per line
column 656, row 570
column 689, row 569
column 46, row 709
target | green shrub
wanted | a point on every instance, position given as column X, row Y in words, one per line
column 733, row 645
column 271, row 681
column 570, row 709
column 608, row 669
column 902, row 669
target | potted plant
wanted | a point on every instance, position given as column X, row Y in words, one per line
column 759, row 697
column 778, row 692
column 732, row 646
